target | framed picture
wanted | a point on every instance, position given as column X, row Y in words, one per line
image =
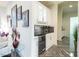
column 9, row 21
column 25, row 18
column 19, row 13
column 14, row 16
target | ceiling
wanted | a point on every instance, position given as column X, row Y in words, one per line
column 50, row 3
column 64, row 5
column 67, row 9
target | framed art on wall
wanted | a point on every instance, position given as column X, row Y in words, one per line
column 9, row 21
column 19, row 13
column 14, row 16
column 25, row 15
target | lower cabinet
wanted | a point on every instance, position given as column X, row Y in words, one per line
column 49, row 40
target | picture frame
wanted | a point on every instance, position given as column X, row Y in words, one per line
column 19, row 13
column 9, row 20
column 25, row 15
column 14, row 16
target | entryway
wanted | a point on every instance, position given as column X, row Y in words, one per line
column 73, row 28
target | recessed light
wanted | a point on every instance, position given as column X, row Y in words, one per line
column 70, row 6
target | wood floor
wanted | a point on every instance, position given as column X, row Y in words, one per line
column 61, row 50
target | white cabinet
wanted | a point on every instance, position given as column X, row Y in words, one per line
column 49, row 40
column 42, row 14
column 39, row 13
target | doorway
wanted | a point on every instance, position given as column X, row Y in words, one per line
column 73, row 25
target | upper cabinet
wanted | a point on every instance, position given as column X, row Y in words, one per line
column 42, row 14
column 39, row 13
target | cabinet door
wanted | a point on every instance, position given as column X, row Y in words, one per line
column 44, row 15
column 42, row 11
column 51, row 36
column 47, row 41
column 40, row 14
column 54, row 41
column 49, row 17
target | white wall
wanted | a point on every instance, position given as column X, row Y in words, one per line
column 3, row 18
column 25, row 33
column 60, row 13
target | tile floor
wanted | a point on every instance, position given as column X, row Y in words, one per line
column 61, row 50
